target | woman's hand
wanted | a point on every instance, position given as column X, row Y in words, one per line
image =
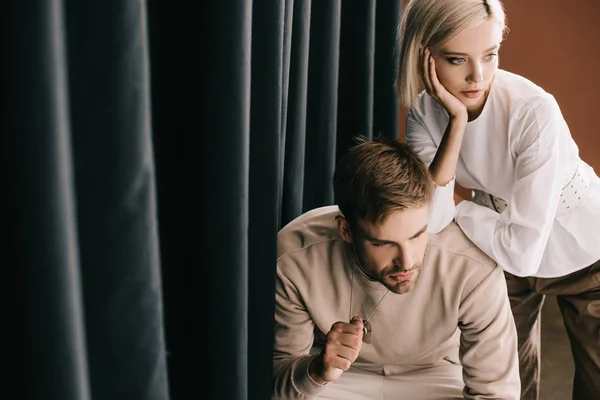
column 453, row 106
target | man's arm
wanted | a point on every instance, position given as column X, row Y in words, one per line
column 294, row 337
column 488, row 346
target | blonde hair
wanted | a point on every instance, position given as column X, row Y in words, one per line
column 431, row 24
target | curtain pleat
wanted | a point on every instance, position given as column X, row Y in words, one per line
column 115, row 185
column 385, row 101
column 286, row 66
column 170, row 38
column 42, row 228
column 154, row 150
column 225, row 185
column 322, row 98
column 267, row 97
column 357, row 51
column 81, row 189
column 295, row 137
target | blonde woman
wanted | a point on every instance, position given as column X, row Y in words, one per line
column 536, row 204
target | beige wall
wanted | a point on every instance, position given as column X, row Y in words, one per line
column 556, row 44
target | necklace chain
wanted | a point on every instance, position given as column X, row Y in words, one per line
column 352, row 291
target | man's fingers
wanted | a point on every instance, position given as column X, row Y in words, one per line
column 339, row 350
column 345, row 327
column 337, row 362
column 344, row 342
column 340, row 356
column 352, row 340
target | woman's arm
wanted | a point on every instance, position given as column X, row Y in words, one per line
column 517, row 238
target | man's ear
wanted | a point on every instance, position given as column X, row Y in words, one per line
column 344, row 228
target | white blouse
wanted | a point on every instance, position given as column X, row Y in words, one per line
column 518, row 149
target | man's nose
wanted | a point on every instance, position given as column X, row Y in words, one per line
column 404, row 258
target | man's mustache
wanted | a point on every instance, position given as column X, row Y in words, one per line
column 400, row 270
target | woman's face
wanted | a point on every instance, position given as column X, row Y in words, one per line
column 467, row 64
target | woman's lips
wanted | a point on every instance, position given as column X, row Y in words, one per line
column 472, row 94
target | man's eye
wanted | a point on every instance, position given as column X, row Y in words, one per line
column 379, row 244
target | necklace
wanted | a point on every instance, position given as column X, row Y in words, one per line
column 367, row 327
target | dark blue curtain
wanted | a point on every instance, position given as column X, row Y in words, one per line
column 81, row 222
column 152, row 151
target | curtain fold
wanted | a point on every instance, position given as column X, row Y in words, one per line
column 224, row 185
column 116, row 206
column 267, row 103
column 81, row 192
column 322, row 97
column 42, row 218
column 385, row 102
column 295, row 129
column 357, row 69
column 154, row 150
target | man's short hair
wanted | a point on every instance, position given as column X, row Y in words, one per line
column 377, row 177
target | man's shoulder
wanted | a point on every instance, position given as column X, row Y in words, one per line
column 452, row 248
column 459, row 265
column 313, row 227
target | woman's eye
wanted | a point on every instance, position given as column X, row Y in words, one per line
column 456, row 60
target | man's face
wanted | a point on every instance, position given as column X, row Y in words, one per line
column 392, row 252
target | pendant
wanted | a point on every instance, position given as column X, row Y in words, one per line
column 367, row 332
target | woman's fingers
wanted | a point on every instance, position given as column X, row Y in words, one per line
column 435, row 82
column 425, row 65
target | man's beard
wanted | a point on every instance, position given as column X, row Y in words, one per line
column 404, row 286
column 384, row 278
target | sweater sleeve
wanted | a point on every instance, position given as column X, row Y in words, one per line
column 488, row 345
column 293, row 340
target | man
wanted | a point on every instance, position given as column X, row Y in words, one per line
column 368, row 306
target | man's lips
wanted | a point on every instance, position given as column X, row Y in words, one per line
column 403, row 276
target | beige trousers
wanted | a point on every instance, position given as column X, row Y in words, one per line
column 439, row 382
column 578, row 296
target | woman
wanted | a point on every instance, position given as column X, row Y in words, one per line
column 536, row 204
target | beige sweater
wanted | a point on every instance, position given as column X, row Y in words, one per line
column 459, row 301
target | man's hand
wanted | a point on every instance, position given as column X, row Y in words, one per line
column 343, row 345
